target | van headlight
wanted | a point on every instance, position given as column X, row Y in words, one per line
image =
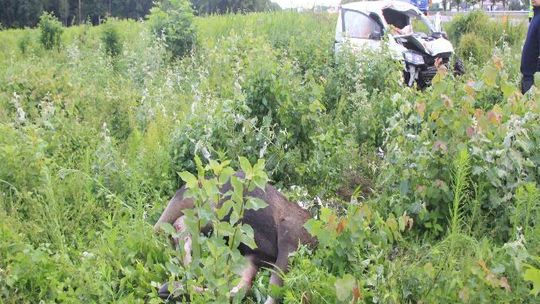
column 414, row 58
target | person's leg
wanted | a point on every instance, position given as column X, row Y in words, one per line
column 526, row 83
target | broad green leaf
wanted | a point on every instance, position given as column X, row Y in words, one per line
column 316, row 106
column 200, row 168
column 235, row 216
column 214, row 166
column 402, row 223
column 246, row 167
column 430, row 270
column 211, row 189
column 167, row 228
column 213, row 249
column 344, row 287
column 490, row 75
column 224, row 210
column 260, row 181
column 191, row 221
column 190, row 180
column 392, row 224
column 252, row 186
column 205, row 213
column 217, row 167
column 173, row 268
column 259, row 166
column 246, row 236
column 238, row 189
column 532, row 274
column 313, row 227
column 508, row 89
column 326, row 213
column 225, row 175
column 255, row 203
column 317, row 229
column 224, row 228
column 275, row 291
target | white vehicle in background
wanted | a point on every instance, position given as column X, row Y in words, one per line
column 362, row 25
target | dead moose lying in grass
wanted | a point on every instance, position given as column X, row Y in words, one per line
column 278, row 231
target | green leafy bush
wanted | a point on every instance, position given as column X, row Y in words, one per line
column 51, row 31
column 90, row 153
column 488, row 33
column 473, row 22
column 172, row 20
column 25, row 43
column 111, row 39
column 348, row 257
column 425, row 136
column 215, row 263
column 474, row 47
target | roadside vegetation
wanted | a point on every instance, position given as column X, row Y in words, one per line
column 418, row 196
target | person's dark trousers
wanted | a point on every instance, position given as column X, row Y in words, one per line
column 526, row 83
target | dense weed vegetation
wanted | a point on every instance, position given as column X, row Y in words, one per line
column 418, row 196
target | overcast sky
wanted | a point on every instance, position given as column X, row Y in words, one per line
column 304, row 3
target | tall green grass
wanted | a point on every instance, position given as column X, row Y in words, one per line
column 90, row 147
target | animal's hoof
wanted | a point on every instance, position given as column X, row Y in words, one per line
column 163, row 291
column 270, row 300
column 178, row 292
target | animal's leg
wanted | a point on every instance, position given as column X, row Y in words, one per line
column 180, row 227
column 248, row 274
column 178, row 288
column 174, row 209
column 280, row 267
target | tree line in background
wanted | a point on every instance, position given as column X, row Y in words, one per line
column 483, row 4
column 233, row 6
column 16, row 13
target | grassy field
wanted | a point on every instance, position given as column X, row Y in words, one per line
column 419, row 196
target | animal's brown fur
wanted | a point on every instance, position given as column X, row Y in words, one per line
column 278, row 228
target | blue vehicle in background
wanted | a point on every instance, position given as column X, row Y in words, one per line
column 422, row 5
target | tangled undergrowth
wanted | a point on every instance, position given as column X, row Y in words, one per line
column 418, row 196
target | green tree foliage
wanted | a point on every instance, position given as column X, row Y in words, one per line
column 233, row 6
column 51, row 31
column 89, row 155
column 111, row 39
column 172, row 20
column 490, row 33
column 14, row 13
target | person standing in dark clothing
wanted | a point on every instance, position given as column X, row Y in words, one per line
column 531, row 50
